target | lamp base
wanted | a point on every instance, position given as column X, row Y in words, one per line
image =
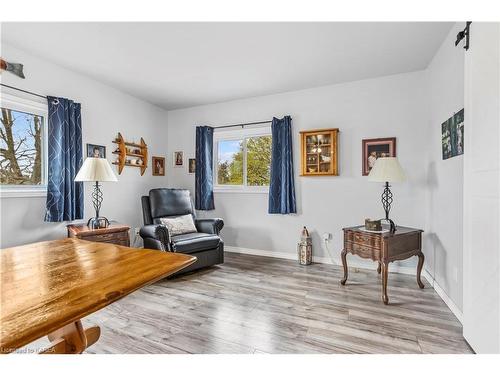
column 392, row 226
column 98, row 222
column 386, row 203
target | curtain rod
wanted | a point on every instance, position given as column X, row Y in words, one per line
column 27, row 92
column 243, row 124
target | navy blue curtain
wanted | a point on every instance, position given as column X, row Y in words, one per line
column 64, row 195
column 282, row 187
column 204, row 183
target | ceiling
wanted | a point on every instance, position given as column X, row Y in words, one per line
column 177, row 65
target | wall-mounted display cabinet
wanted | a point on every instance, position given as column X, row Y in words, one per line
column 319, row 152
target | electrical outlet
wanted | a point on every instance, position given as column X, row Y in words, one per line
column 327, row 237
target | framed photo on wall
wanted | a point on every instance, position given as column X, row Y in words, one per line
column 178, row 159
column 452, row 135
column 376, row 148
column 96, row 151
column 158, row 166
column 191, row 165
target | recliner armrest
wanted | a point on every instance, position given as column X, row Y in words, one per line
column 157, row 232
column 210, row 226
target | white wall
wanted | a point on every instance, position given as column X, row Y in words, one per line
column 393, row 106
column 482, row 189
column 444, row 208
column 105, row 111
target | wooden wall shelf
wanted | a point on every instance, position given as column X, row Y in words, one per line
column 123, row 154
column 129, row 154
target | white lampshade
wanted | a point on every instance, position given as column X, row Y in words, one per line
column 96, row 169
column 387, row 170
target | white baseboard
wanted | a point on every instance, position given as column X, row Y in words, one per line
column 354, row 264
column 272, row 254
column 441, row 293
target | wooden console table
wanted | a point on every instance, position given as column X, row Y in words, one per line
column 47, row 287
column 383, row 248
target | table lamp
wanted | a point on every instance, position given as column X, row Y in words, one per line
column 387, row 170
column 96, row 170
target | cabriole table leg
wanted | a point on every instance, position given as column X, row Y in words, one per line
column 385, row 276
column 343, row 255
column 421, row 259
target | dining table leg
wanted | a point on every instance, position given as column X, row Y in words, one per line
column 72, row 339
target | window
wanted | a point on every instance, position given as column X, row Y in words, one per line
column 23, row 166
column 230, row 162
column 242, row 160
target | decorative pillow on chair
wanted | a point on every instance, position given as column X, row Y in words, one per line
column 179, row 224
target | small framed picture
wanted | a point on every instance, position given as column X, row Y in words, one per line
column 452, row 135
column 192, row 165
column 178, row 159
column 376, row 148
column 158, row 166
column 96, row 151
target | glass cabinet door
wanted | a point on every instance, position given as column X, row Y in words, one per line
column 325, row 153
column 311, row 154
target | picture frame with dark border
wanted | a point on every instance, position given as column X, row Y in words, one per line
column 96, row 151
column 158, row 166
column 191, row 165
column 373, row 149
column 452, row 135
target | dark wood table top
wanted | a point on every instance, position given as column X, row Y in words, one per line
column 399, row 230
column 47, row 285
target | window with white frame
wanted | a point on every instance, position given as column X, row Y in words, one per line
column 242, row 160
column 23, row 156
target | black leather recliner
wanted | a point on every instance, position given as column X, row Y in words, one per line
column 205, row 244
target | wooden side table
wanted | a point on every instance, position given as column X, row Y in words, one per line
column 115, row 233
column 383, row 248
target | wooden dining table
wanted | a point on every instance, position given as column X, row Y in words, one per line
column 47, row 287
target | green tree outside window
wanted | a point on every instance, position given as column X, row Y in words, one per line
column 258, row 161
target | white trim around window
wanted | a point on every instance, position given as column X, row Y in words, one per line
column 39, row 108
column 238, row 134
column 19, row 191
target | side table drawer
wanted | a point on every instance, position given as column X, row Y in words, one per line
column 362, row 250
column 119, row 238
column 364, row 239
column 115, row 233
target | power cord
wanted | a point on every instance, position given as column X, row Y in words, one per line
column 326, row 240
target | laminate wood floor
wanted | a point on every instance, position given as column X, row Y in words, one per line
column 254, row 304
